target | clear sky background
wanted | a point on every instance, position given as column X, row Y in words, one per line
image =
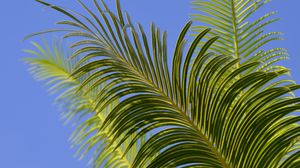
column 31, row 134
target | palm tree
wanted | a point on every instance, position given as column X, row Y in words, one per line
column 203, row 111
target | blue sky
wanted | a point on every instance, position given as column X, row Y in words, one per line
column 32, row 136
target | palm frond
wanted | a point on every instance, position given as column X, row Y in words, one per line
column 202, row 115
column 240, row 34
column 51, row 64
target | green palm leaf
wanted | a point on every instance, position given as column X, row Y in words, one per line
column 204, row 112
column 54, row 67
column 240, row 37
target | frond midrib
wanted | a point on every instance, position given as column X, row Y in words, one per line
column 235, row 31
column 156, row 88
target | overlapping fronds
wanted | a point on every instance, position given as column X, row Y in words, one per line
column 51, row 65
column 204, row 111
column 240, row 34
column 202, row 114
